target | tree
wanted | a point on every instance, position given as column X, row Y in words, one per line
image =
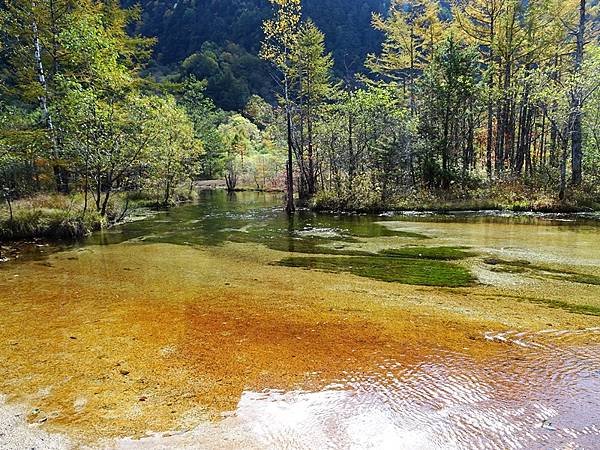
column 577, row 97
column 556, row 96
column 412, row 31
column 368, row 142
column 240, row 138
column 311, row 74
column 106, row 120
column 174, row 150
column 478, row 20
column 63, row 52
column 30, row 35
column 450, row 95
column 280, row 38
column 206, row 118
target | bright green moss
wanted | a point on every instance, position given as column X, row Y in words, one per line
column 433, row 253
column 541, row 271
column 399, row 270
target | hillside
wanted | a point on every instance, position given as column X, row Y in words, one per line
column 183, row 26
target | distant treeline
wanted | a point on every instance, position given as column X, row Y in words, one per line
column 219, row 41
column 454, row 100
column 495, row 90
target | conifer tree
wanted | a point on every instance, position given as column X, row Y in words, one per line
column 311, row 73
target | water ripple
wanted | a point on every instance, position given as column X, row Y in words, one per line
column 535, row 393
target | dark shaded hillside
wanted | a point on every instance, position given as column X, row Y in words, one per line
column 182, row 26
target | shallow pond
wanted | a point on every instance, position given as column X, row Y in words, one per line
column 227, row 325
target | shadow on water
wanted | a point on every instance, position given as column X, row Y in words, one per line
column 248, row 217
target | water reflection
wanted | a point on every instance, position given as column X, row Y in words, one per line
column 170, row 332
column 534, row 396
column 246, row 217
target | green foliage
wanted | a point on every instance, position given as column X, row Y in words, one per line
column 455, row 111
column 52, row 217
column 251, row 157
column 182, row 28
column 398, row 270
column 174, row 151
column 232, row 74
column 206, row 118
column 366, row 139
column 450, row 94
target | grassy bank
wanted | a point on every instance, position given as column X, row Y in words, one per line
column 49, row 216
column 505, row 196
column 65, row 217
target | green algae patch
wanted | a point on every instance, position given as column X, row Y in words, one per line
column 399, row 270
column 312, row 245
column 574, row 308
column 387, row 232
column 576, row 278
column 504, row 266
column 431, row 253
column 588, row 310
column 541, row 271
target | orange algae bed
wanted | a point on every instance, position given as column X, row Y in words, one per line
column 115, row 341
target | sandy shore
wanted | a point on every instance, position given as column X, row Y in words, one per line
column 17, row 434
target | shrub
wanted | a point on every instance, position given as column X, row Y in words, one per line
column 49, row 223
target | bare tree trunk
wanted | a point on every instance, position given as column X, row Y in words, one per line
column 563, row 171
column 445, row 165
column 577, row 103
column 312, row 179
column 167, row 198
column 86, row 186
column 109, row 186
column 290, row 207
column 43, row 99
column 490, row 106
column 10, row 210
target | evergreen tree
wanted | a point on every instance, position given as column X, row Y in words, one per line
column 311, row 73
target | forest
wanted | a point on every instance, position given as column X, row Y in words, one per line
column 416, row 104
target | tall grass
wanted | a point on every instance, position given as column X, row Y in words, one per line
column 49, row 216
column 55, row 216
column 497, row 195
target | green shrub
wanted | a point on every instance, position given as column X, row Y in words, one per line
column 49, row 223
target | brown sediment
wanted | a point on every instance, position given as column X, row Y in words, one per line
column 120, row 340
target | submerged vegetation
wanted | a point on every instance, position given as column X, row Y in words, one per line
column 541, row 271
column 433, row 253
column 574, row 308
column 424, row 272
column 588, row 310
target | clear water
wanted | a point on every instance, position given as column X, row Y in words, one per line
column 225, row 349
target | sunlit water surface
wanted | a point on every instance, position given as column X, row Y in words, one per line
column 534, row 389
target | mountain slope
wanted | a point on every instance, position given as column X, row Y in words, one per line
column 182, row 26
